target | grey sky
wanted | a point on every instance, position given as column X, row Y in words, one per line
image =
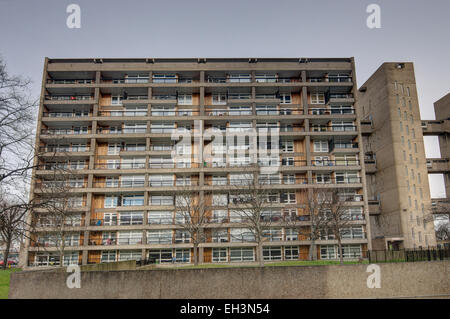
column 415, row 31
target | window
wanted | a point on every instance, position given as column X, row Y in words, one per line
column 130, row 237
column 160, row 217
column 135, row 147
column 112, row 181
column 291, row 234
column 133, row 200
column 161, row 200
column 132, row 180
column 162, row 127
column 164, row 78
column 219, row 99
column 287, row 146
column 161, row 180
column 161, row 255
column 266, row 110
column 285, row 98
column 159, row 236
column 219, row 255
column 287, row 161
column 182, row 255
column 114, row 148
column 131, row 218
column 240, row 78
column 322, row 178
column 182, row 236
column 272, row 253
column 130, row 255
column 288, row 198
column 241, row 235
column 161, row 162
column 111, row 201
column 116, row 100
column 320, row 146
column 291, row 252
column 219, row 236
column 273, row 234
column 134, row 162
column 242, row 254
column 185, row 99
column 317, row 98
column 108, row 256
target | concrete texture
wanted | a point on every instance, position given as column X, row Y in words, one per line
column 349, row 281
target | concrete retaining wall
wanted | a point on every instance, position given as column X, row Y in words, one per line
column 348, row 281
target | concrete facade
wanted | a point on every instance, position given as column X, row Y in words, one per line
column 112, row 120
column 398, row 186
column 398, row 280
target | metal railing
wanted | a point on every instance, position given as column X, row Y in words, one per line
column 66, row 114
column 64, row 132
column 334, row 128
column 122, row 113
column 330, row 111
column 408, row 255
column 68, row 97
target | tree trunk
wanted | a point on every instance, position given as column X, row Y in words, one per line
column 312, row 250
column 6, row 254
column 341, row 257
column 195, row 254
column 260, row 254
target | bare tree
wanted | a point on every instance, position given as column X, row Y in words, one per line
column 439, row 214
column 17, row 112
column 252, row 201
column 335, row 209
column 13, row 226
column 191, row 216
column 55, row 225
column 314, row 204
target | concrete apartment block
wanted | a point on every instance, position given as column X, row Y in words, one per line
column 112, row 119
column 398, row 188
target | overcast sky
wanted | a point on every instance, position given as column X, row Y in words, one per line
column 411, row 30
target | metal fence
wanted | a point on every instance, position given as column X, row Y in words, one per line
column 408, row 255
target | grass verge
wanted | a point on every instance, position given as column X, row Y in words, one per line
column 4, row 281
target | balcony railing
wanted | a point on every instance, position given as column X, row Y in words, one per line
column 330, row 111
column 119, row 165
column 122, row 113
column 70, row 81
column 64, row 149
column 68, row 97
column 334, row 128
column 66, row 114
column 68, row 131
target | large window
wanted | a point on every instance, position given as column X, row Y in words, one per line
column 272, row 253
column 161, row 180
column 108, row 256
column 160, row 217
column 131, row 218
column 320, row 146
column 132, row 180
column 133, row 200
column 242, row 254
column 317, row 98
column 161, row 255
column 219, row 255
column 291, row 253
column 159, row 236
column 161, row 200
column 130, row 237
column 130, row 255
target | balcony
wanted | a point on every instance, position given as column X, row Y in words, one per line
column 438, row 165
column 70, row 81
column 122, row 113
column 371, row 166
column 333, row 128
column 435, row 127
column 374, row 207
column 331, row 111
column 67, row 115
column 64, row 131
column 366, row 127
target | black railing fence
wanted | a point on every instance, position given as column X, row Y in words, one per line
column 408, row 255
